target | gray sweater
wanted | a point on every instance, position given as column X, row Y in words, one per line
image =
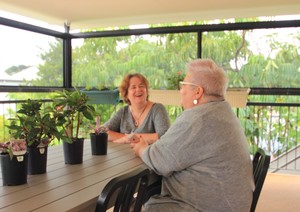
column 205, row 162
column 156, row 121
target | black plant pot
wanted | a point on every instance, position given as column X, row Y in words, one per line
column 73, row 152
column 14, row 171
column 37, row 160
column 99, row 143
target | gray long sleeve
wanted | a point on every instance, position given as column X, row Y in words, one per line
column 205, row 161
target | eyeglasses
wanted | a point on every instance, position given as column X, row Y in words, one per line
column 181, row 83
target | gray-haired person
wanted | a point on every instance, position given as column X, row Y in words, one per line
column 204, row 156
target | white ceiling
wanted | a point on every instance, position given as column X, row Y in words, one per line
column 82, row 14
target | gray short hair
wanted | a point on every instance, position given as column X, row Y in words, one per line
column 207, row 74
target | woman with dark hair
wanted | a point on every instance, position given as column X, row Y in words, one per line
column 140, row 116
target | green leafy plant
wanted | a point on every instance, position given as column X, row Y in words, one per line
column 174, row 79
column 72, row 108
column 38, row 127
column 100, row 88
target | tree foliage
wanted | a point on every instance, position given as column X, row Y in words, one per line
column 103, row 62
column 51, row 71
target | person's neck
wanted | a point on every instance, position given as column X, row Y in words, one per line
column 208, row 99
column 139, row 107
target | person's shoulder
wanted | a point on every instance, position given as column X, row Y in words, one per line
column 158, row 109
column 158, row 106
column 123, row 109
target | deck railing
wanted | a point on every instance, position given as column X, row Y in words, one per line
column 273, row 127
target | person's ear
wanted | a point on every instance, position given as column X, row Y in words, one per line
column 199, row 92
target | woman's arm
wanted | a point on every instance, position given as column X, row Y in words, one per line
column 114, row 124
column 123, row 138
column 112, row 135
column 149, row 138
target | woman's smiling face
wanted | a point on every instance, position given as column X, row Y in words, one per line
column 137, row 91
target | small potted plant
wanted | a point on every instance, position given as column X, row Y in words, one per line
column 38, row 127
column 14, row 159
column 72, row 108
column 171, row 91
column 99, row 139
column 102, row 95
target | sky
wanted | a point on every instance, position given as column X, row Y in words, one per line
column 16, row 51
column 25, row 51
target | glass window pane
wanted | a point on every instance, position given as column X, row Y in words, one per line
column 103, row 62
column 266, row 58
column 30, row 59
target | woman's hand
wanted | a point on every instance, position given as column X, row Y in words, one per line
column 133, row 138
column 139, row 147
column 127, row 139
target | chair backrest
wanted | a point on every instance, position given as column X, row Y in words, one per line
column 120, row 191
column 154, row 186
column 261, row 163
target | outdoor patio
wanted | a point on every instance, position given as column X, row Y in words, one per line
column 271, row 125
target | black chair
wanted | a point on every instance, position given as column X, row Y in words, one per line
column 261, row 163
column 154, row 186
column 120, row 192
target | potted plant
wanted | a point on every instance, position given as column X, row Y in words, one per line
column 14, row 159
column 102, row 95
column 73, row 108
column 99, row 139
column 38, row 128
column 172, row 90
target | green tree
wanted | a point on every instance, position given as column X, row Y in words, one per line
column 100, row 62
column 51, row 71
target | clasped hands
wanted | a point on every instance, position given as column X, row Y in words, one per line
column 137, row 142
column 127, row 139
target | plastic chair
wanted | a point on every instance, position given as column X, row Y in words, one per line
column 261, row 163
column 120, row 192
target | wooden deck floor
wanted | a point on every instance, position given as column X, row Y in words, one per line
column 281, row 192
